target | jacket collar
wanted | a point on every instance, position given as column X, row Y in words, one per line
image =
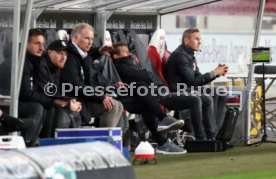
column 129, row 60
column 187, row 51
column 81, row 53
column 72, row 48
column 122, row 59
column 33, row 58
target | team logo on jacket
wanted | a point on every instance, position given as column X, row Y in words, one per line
column 63, row 43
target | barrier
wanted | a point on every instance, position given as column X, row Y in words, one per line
column 95, row 160
column 12, row 142
column 113, row 135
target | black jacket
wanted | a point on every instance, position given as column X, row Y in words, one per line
column 48, row 73
column 77, row 72
column 130, row 71
column 182, row 68
column 29, row 91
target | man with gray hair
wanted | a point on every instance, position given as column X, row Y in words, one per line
column 77, row 72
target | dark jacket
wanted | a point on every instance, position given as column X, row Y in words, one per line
column 77, row 72
column 29, row 91
column 130, row 71
column 48, row 73
column 182, row 68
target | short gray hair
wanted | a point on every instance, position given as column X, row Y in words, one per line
column 78, row 28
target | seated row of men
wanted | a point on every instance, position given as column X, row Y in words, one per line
column 43, row 106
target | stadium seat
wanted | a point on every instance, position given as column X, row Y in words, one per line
column 158, row 54
column 63, row 35
column 156, row 51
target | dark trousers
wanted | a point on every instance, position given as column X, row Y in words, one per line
column 202, row 113
column 134, row 105
column 148, row 100
column 219, row 105
column 219, row 110
column 208, row 114
column 59, row 118
column 33, row 114
column 64, row 118
column 48, row 123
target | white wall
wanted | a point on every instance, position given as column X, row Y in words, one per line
column 232, row 49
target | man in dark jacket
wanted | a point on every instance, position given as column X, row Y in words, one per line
column 130, row 71
column 33, row 104
column 182, row 68
column 49, row 83
column 77, row 73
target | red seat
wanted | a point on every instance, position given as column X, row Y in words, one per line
column 157, row 51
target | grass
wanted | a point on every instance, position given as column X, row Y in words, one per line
column 239, row 162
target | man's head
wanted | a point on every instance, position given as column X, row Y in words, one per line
column 83, row 35
column 36, row 42
column 191, row 38
column 57, row 51
column 120, row 50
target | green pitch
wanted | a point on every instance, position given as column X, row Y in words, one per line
column 261, row 57
column 237, row 163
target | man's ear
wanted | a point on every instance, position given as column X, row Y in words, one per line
column 186, row 41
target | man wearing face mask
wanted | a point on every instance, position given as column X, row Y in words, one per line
column 182, row 68
column 130, row 71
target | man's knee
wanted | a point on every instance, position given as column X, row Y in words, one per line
column 207, row 100
column 37, row 109
column 118, row 107
column 196, row 101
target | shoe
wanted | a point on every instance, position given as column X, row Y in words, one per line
column 170, row 148
column 168, row 124
column 12, row 124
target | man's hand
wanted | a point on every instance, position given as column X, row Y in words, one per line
column 75, row 106
column 221, row 69
column 120, row 84
column 60, row 103
column 104, row 50
column 108, row 103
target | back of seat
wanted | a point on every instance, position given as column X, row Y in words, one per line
column 156, row 51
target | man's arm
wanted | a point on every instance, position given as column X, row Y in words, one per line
column 29, row 89
column 44, row 81
column 94, row 53
column 187, row 73
column 131, row 73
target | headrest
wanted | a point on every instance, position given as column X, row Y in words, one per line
column 63, row 35
column 158, row 41
column 107, row 39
